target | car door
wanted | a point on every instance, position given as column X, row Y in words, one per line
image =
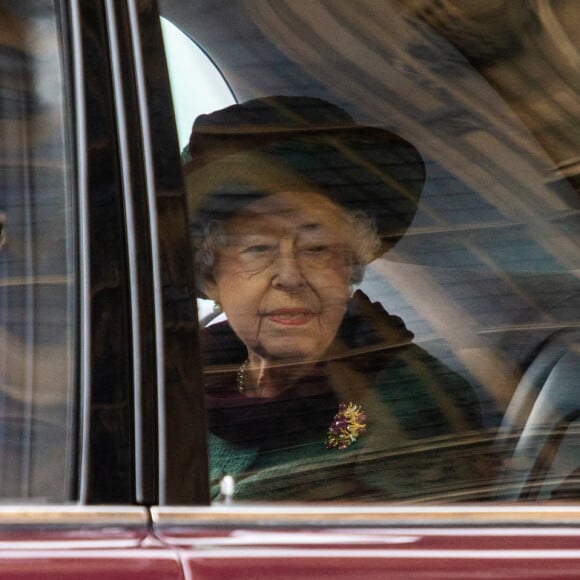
column 485, row 274
column 79, row 372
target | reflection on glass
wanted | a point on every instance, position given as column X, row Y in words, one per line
column 484, row 275
column 36, row 262
column 196, row 92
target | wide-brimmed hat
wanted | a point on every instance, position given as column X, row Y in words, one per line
column 283, row 143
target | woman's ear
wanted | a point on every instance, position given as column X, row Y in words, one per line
column 210, row 289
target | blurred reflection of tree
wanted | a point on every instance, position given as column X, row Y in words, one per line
column 529, row 51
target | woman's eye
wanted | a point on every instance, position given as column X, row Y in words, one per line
column 319, row 249
column 257, row 249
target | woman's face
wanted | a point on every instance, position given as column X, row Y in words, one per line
column 283, row 276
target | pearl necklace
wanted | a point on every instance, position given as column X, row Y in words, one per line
column 240, row 376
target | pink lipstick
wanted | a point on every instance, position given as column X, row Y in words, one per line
column 290, row 316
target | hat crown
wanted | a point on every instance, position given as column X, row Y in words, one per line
column 280, row 143
column 275, row 113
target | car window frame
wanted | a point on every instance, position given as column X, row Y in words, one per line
column 100, row 213
column 180, row 404
column 178, row 504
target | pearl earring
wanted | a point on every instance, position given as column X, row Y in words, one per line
column 217, row 308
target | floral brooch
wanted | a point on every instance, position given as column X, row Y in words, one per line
column 346, row 427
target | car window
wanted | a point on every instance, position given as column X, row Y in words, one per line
column 38, row 279
column 385, row 219
column 192, row 95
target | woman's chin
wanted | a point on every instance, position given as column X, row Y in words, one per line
column 287, row 354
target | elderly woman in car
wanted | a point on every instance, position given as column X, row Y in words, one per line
column 313, row 392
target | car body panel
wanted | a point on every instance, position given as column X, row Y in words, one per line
column 96, row 555
column 392, row 553
column 80, row 542
column 373, row 542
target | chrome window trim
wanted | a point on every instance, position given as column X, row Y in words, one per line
column 154, row 232
column 73, row 515
column 84, row 338
column 367, row 515
column 105, row 431
column 125, row 170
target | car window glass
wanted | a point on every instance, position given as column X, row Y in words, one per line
column 192, row 94
column 388, row 219
column 37, row 261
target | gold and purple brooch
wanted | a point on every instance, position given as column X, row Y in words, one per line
column 346, row 427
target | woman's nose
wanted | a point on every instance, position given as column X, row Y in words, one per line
column 288, row 273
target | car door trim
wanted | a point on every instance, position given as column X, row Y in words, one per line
column 73, row 515
column 368, row 515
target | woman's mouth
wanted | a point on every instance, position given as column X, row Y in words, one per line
column 290, row 316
